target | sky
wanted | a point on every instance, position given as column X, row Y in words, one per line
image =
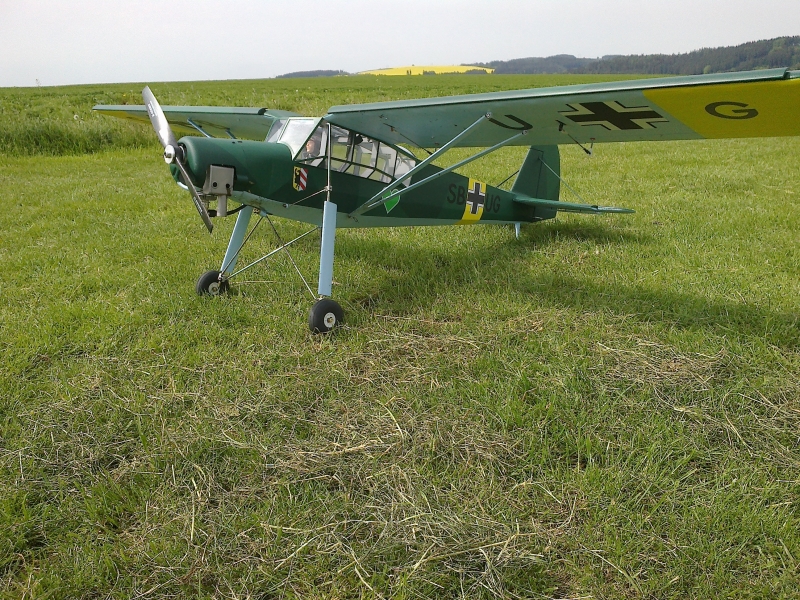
column 57, row 42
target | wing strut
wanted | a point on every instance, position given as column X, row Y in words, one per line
column 561, row 179
column 385, row 194
column 563, row 129
column 397, row 193
column 197, row 127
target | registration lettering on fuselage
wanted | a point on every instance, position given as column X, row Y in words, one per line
column 475, row 199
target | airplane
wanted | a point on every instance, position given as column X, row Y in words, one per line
column 352, row 167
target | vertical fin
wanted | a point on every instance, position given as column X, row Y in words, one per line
column 535, row 180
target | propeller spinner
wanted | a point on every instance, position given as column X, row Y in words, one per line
column 173, row 152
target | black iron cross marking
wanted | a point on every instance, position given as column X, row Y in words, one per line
column 475, row 197
column 613, row 115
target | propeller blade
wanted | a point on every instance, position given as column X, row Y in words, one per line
column 158, row 119
column 198, row 203
column 173, row 153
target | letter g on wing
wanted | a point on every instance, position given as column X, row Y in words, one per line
column 731, row 110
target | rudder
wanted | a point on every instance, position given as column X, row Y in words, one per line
column 535, row 180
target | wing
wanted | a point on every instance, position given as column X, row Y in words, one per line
column 214, row 121
column 746, row 104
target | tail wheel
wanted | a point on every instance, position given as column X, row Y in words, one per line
column 210, row 285
column 325, row 315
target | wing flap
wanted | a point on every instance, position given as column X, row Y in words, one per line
column 215, row 121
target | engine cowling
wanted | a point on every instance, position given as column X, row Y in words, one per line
column 260, row 168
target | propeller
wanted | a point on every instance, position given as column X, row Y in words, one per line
column 173, row 152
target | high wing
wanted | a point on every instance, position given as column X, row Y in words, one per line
column 726, row 105
column 213, row 121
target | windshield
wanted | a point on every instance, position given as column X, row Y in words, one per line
column 296, row 133
column 275, row 130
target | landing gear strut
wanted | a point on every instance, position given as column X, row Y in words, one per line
column 326, row 314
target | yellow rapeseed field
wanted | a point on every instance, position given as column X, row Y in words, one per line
column 414, row 70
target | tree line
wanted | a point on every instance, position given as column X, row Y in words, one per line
column 763, row 54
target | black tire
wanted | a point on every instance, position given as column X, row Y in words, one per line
column 210, row 285
column 324, row 316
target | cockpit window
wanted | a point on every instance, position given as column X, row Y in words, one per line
column 296, row 133
column 275, row 130
column 316, row 147
column 363, row 156
column 355, row 154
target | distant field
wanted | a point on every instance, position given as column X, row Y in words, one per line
column 59, row 120
column 606, row 408
column 430, row 70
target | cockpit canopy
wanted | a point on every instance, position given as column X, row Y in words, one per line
column 350, row 152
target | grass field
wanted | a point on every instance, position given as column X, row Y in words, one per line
column 605, row 408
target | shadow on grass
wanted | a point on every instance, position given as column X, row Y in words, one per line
column 587, row 231
column 682, row 310
column 416, row 276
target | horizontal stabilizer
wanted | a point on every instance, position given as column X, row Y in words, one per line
column 591, row 209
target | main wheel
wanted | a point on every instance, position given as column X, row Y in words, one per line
column 324, row 316
column 210, row 285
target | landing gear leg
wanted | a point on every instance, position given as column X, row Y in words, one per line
column 214, row 283
column 326, row 313
column 237, row 240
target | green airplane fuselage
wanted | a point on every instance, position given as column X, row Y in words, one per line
column 266, row 178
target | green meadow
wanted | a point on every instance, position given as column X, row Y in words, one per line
column 605, row 408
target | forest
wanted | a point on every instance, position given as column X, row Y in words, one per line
column 763, row 54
